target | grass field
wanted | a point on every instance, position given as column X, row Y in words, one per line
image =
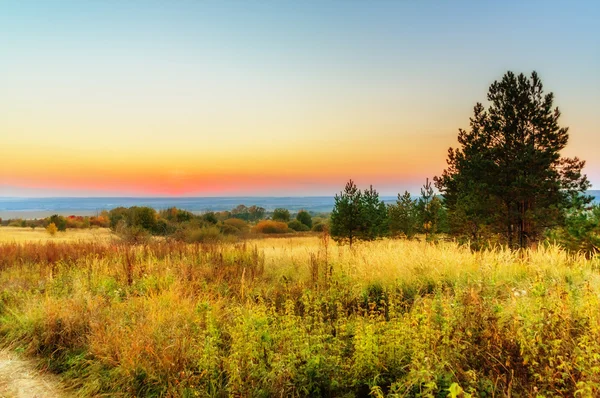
column 16, row 234
column 303, row 317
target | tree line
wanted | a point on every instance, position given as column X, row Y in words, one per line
column 506, row 182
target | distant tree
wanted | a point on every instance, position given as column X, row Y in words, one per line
column 59, row 221
column 176, row 215
column 581, row 231
column 210, row 217
column 296, row 225
column 403, row 217
column 238, row 224
column 305, row 218
column 143, row 217
column 116, row 215
column 508, row 166
column 346, row 217
column 241, row 212
column 256, row 213
column 428, row 208
column 281, row 214
column 373, row 215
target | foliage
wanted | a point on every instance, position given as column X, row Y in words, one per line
column 132, row 234
column 508, row 173
column 305, row 218
column 320, row 226
column 117, row 215
column 287, row 317
column 346, row 216
column 403, row 216
column 51, row 229
column 270, row 227
column 281, row 214
column 358, row 215
column 207, row 234
column 59, row 221
column 428, row 208
column 296, row 225
column 174, row 214
column 240, row 225
column 210, row 217
column 252, row 213
column 581, row 232
column 373, row 215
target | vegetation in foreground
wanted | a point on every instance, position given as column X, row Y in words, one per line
column 298, row 317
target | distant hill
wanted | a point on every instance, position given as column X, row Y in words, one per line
column 595, row 194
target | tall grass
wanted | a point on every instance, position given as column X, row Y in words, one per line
column 299, row 316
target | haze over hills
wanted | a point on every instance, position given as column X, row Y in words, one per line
column 13, row 207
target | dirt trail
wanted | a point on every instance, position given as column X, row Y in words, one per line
column 20, row 379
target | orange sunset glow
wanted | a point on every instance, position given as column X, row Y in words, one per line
column 268, row 105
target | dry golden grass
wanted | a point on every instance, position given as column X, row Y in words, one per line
column 16, row 234
column 302, row 316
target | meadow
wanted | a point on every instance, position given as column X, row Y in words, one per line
column 18, row 234
column 302, row 316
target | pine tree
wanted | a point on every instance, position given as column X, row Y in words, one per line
column 508, row 166
column 403, row 216
column 346, row 217
column 428, row 207
column 374, row 215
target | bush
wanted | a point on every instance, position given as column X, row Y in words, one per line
column 59, row 221
column 270, row 227
column 319, row 227
column 51, row 229
column 132, row 234
column 298, row 226
column 238, row 224
column 305, row 218
column 163, row 227
column 281, row 214
column 144, row 217
column 210, row 217
column 209, row 234
column 116, row 215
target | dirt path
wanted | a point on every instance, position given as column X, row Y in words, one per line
column 20, row 379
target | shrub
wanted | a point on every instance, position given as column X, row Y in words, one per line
column 270, row 227
column 132, row 234
column 305, row 218
column 163, row 227
column 281, row 214
column 298, row 226
column 59, row 221
column 116, row 215
column 319, row 227
column 209, row 234
column 144, row 217
column 15, row 223
column 51, row 229
column 210, row 217
column 238, row 224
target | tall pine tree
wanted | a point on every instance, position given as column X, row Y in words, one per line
column 346, row 217
column 508, row 166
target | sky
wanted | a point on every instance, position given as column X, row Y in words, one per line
column 271, row 98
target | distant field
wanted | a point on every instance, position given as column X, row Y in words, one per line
column 15, row 234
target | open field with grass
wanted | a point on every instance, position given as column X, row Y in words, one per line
column 302, row 316
column 17, row 234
